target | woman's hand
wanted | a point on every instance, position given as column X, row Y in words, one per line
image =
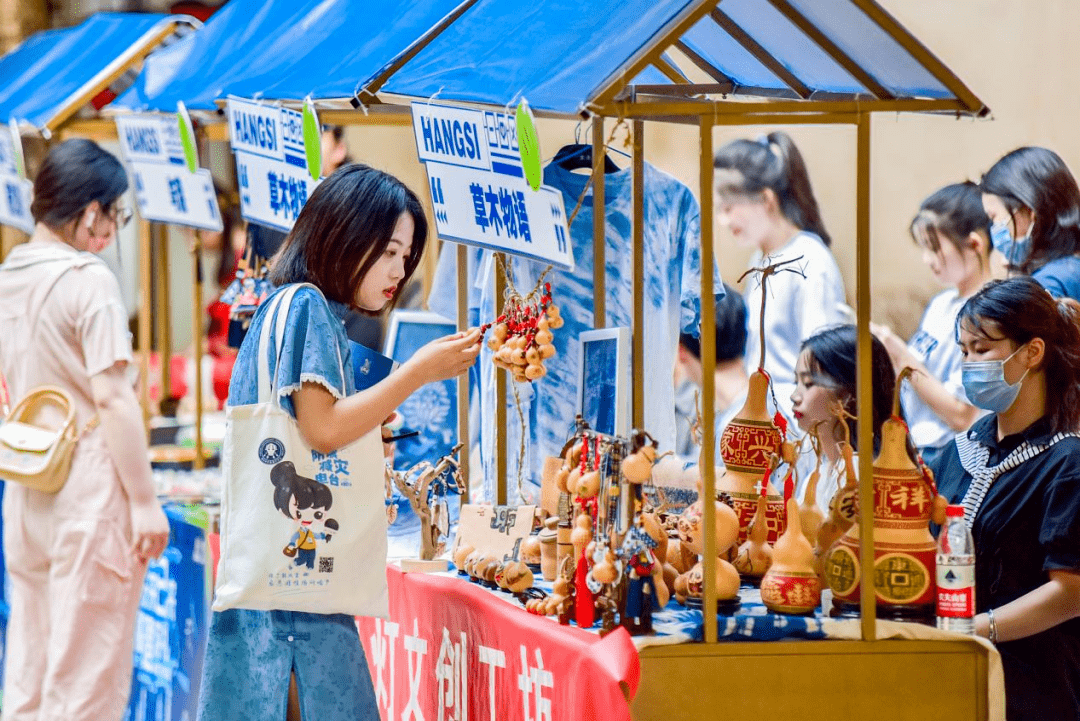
column 446, row 357
column 149, row 530
column 898, row 351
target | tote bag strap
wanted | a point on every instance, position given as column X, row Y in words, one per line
column 280, row 307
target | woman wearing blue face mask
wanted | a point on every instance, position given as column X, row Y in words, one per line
column 1034, row 204
column 1017, row 474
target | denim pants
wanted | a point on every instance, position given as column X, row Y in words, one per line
column 251, row 653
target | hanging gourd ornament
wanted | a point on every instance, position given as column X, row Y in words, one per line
column 637, row 467
column 521, row 338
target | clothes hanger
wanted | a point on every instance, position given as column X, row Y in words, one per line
column 577, row 155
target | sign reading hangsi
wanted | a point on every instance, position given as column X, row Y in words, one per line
column 271, row 164
column 165, row 190
column 15, row 190
column 478, row 187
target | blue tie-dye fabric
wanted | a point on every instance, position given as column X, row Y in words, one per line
column 672, row 260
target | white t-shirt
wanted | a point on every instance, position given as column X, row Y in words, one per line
column 797, row 307
column 935, row 345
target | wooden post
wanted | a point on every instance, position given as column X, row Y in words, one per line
column 197, row 343
column 708, row 379
column 864, row 377
column 638, row 322
column 599, row 232
column 164, row 330
column 463, row 381
column 501, row 379
column 146, row 309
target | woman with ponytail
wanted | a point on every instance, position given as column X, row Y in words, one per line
column 1017, row 474
column 764, row 198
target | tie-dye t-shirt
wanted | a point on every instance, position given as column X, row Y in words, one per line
column 672, row 255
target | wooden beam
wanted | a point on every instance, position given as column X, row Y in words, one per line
column 614, row 84
column 92, row 128
column 762, row 55
column 367, row 93
column 832, row 49
column 669, row 71
column 646, row 107
column 638, row 245
column 501, row 379
column 922, row 55
column 463, row 381
column 87, row 93
column 705, row 66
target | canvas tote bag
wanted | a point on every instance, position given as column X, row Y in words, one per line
column 300, row 531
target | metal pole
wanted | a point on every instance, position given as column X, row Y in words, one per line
column 708, row 380
column 638, row 321
column 197, row 344
column 599, row 232
column 864, row 377
column 501, row 378
column 463, row 381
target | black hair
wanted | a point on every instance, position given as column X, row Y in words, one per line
column 73, row 175
column 730, row 329
column 308, row 492
column 1020, row 309
column 1038, row 179
column 833, row 354
column 347, row 224
column 775, row 163
column 955, row 212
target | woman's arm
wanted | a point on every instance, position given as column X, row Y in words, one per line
column 328, row 423
column 955, row 412
column 125, row 437
column 1052, row 603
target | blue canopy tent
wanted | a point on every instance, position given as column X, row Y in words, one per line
column 53, row 74
column 799, row 49
column 724, row 62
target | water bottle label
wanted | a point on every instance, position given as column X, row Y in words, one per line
column 955, row 591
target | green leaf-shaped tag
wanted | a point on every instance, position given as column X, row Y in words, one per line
column 528, row 144
column 312, row 140
column 187, row 137
column 17, row 148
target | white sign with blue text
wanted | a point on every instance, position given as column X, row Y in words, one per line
column 478, row 188
column 271, row 166
column 165, row 191
column 15, row 191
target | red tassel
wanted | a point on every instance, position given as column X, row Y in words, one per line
column 780, row 422
column 765, row 481
column 789, row 487
column 584, row 611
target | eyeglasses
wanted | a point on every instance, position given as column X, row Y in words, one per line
column 121, row 215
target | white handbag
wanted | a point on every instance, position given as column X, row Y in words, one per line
column 300, row 531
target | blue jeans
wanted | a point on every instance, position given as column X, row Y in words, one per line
column 305, row 557
column 251, row 653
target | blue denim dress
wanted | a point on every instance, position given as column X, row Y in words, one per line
column 251, row 653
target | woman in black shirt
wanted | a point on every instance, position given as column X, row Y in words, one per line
column 1017, row 474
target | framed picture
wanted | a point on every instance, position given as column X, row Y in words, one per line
column 432, row 409
column 604, row 391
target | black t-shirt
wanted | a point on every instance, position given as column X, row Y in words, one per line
column 1028, row 524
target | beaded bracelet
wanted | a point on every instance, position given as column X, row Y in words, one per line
column 992, row 632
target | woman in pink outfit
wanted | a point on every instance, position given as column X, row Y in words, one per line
column 75, row 558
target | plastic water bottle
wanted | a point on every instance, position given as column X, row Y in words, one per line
column 956, row 574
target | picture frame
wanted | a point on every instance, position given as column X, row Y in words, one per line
column 604, row 387
column 432, row 409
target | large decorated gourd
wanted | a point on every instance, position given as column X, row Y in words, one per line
column 904, row 550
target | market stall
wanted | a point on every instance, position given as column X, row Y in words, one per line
column 764, row 63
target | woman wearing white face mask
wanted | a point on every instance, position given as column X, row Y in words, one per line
column 75, row 558
column 1017, row 474
column 1034, row 204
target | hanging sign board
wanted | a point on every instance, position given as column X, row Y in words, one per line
column 15, row 190
column 165, row 190
column 271, row 163
column 478, row 187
